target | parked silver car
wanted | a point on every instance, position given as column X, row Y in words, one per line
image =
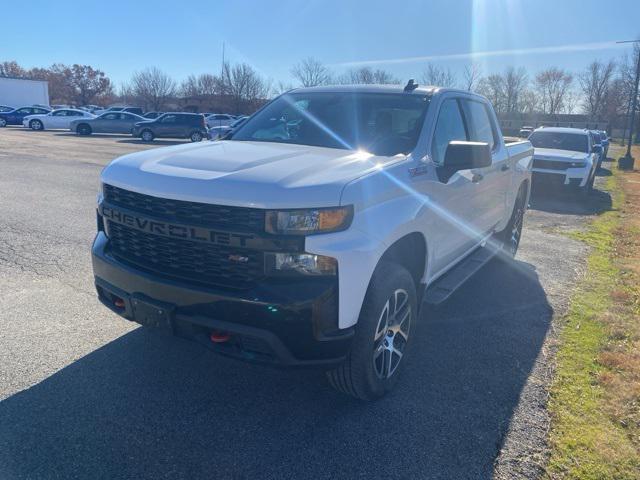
column 109, row 122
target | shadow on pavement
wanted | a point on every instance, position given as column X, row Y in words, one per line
column 93, row 135
column 570, row 202
column 158, row 142
column 150, row 406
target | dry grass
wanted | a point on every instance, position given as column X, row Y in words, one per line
column 595, row 399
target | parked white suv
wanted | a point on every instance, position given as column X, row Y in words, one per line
column 312, row 235
column 565, row 157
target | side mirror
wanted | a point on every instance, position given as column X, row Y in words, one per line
column 466, row 155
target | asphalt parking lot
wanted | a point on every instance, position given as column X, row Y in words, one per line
column 85, row 394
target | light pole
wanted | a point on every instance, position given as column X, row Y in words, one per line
column 626, row 162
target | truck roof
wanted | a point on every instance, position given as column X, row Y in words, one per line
column 368, row 88
column 562, row 130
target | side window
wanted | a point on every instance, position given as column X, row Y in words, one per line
column 111, row 116
column 40, row 110
column 480, row 125
column 449, row 127
column 25, row 111
column 169, row 119
column 60, row 113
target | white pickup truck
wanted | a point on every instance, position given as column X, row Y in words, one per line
column 313, row 234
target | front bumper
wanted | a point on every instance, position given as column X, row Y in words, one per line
column 279, row 322
column 571, row 177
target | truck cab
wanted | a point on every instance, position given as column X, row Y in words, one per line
column 310, row 235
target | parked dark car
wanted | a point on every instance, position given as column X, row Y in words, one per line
column 152, row 115
column 15, row 116
column 173, row 125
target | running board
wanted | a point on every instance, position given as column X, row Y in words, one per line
column 452, row 280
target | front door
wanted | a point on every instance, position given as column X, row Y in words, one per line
column 452, row 201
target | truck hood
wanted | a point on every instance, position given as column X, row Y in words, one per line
column 558, row 155
column 241, row 173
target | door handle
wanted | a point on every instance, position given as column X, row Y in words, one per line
column 477, row 177
column 505, row 167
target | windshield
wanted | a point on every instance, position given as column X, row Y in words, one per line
column 561, row 141
column 380, row 123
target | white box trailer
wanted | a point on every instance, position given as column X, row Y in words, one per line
column 18, row 92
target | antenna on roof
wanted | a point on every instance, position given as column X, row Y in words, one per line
column 410, row 86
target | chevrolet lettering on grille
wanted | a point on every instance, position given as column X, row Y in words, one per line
column 184, row 232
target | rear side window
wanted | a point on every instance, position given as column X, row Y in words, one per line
column 479, row 123
column 449, row 127
column 169, row 119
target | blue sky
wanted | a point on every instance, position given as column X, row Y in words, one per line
column 121, row 37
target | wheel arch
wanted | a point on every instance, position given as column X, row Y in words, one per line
column 409, row 251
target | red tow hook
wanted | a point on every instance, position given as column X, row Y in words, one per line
column 118, row 302
column 219, row 337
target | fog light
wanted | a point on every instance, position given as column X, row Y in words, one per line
column 300, row 263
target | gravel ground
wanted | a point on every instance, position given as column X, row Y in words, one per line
column 85, row 394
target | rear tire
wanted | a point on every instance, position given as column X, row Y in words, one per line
column 512, row 233
column 147, row 136
column 382, row 337
column 36, row 125
column 83, row 129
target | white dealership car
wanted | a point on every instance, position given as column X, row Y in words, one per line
column 219, row 120
column 311, row 237
column 57, row 119
column 565, row 157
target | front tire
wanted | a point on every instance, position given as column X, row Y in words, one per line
column 3, row 123
column 36, row 125
column 196, row 137
column 382, row 337
column 83, row 129
column 147, row 136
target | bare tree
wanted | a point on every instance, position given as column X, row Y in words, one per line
column 552, row 86
column 595, row 82
column 310, row 73
column 245, row 87
column 153, row 87
column 528, row 101
column 471, row 76
column 515, row 83
column 435, row 75
column 366, row 75
column 493, row 88
column 202, row 85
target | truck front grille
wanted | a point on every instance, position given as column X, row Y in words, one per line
column 195, row 262
column 550, row 164
column 187, row 213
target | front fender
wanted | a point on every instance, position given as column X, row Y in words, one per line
column 359, row 249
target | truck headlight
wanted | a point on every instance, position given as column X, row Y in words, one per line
column 278, row 264
column 308, row 221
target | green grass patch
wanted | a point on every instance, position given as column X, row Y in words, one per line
column 586, row 442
